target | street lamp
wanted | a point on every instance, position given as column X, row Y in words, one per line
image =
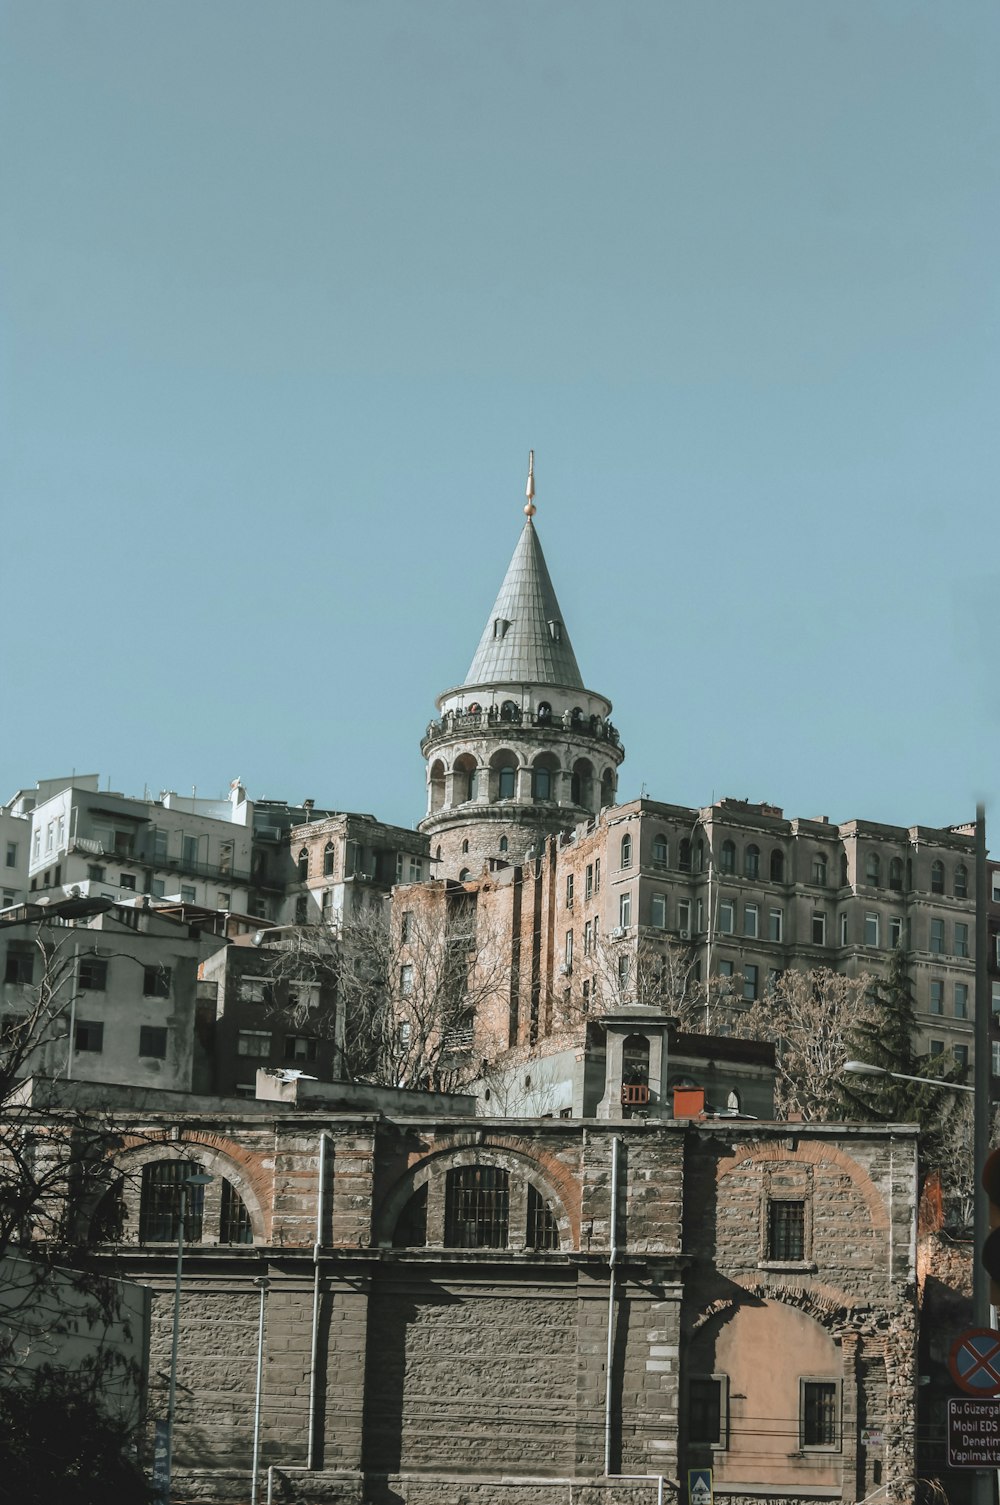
column 865, row 1068
column 200, row 1178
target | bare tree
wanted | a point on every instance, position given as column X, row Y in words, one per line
column 406, row 993
column 812, row 1018
column 656, row 971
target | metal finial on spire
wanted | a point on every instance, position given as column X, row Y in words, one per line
column 530, row 508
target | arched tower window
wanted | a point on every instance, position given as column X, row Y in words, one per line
column 937, row 877
column 509, row 711
column 329, row 852
column 160, row 1203
column 503, row 775
column 303, row 864
column 777, row 866
column 436, row 790
column 503, row 843
column 466, row 779
column 543, row 778
column 582, row 790
column 961, row 881
column 896, row 874
column 626, row 851
column 607, row 788
column 544, row 713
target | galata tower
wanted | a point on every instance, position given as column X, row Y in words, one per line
column 521, row 750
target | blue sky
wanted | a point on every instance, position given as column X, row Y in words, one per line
column 288, row 290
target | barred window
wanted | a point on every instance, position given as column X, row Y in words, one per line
column 159, row 1207
column 234, row 1224
column 543, row 1230
column 477, row 1205
column 820, row 1426
column 786, row 1230
column 705, row 1410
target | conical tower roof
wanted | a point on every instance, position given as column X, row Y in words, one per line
column 525, row 640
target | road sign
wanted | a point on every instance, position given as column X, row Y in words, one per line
column 974, row 1433
column 974, row 1361
column 699, row 1486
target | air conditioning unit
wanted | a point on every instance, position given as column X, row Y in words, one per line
column 618, row 932
column 685, row 935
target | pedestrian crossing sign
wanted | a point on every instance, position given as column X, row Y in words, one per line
column 699, row 1486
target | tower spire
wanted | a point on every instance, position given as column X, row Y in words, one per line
column 529, row 490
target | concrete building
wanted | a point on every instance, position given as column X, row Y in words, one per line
column 15, row 841
column 343, row 865
column 114, row 995
column 495, row 1310
column 97, row 842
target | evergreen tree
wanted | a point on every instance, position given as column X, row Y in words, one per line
column 885, row 1038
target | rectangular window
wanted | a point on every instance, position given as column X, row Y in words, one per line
column 588, row 882
column 89, row 1035
column 569, row 890
column 995, row 999
column 819, row 929
column 406, row 979
column 937, row 1047
column 20, row 965
column 937, row 937
column 871, row 929
column 961, row 938
column 568, row 949
column 223, row 901
column 153, row 1041
column 587, row 932
column 995, row 1057
column 12, row 854
column 253, row 1042
column 623, row 971
column 751, row 981
column 684, row 916
column 188, row 893
column 961, row 1054
column 937, row 996
column 127, row 880
column 189, row 850
column 406, row 927
column 156, row 982
column 896, row 931
column 786, row 1230
column 725, row 969
column 300, row 1048
column 658, row 911
column 625, row 910
column 95, row 873
column 254, row 990
column 160, row 839
column 157, row 888
column 93, row 974
column 416, row 869
column 50, row 835
column 820, row 1414
column 226, row 850
column 706, row 1411
column 775, row 925
column 597, row 875
column 727, row 917
column 36, row 850
column 699, row 915
column 843, row 928
column 961, row 1000
column 751, row 920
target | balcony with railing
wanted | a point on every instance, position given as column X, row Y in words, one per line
column 159, row 862
column 495, row 719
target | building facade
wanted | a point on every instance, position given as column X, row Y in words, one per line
column 490, row 1310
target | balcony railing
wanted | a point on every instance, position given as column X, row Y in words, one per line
column 159, row 861
column 455, row 723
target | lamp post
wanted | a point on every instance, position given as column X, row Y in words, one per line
column 865, row 1068
column 200, row 1178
